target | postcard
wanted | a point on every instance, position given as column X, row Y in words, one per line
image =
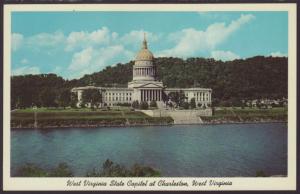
column 149, row 97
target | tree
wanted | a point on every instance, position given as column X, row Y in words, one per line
column 135, row 104
column 47, row 98
column 74, row 100
column 153, row 104
column 231, row 81
column 64, row 98
column 177, row 97
column 193, row 103
column 144, row 105
column 92, row 96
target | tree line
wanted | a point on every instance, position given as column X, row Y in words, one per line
column 242, row 79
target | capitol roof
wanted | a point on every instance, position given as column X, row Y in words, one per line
column 144, row 54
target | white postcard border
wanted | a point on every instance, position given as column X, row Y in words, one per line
column 254, row 183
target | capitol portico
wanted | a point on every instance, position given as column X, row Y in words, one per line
column 144, row 86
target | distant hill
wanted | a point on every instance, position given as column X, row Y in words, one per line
column 252, row 78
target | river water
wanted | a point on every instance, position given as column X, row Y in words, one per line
column 181, row 150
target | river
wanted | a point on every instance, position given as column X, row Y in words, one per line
column 226, row 150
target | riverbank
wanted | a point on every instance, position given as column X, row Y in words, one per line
column 85, row 118
column 246, row 115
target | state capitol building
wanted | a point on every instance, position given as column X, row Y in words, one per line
column 145, row 86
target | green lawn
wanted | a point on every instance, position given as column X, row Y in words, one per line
column 64, row 117
column 248, row 114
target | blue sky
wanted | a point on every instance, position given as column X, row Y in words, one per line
column 72, row 44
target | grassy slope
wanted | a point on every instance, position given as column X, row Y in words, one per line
column 81, row 117
column 247, row 115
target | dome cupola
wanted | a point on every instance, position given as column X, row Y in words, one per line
column 144, row 54
column 144, row 69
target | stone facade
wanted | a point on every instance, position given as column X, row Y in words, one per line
column 145, row 86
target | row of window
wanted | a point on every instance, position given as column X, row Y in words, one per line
column 118, row 99
column 118, row 94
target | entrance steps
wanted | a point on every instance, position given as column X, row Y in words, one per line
column 185, row 117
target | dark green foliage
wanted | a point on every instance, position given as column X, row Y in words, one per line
column 64, row 98
column 177, row 97
column 144, row 105
column 73, row 100
column 109, row 169
column 31, row 170
column 124, row 104
column 135, row 104
column 186, row 105
column 92, row 96
column 253, row 78
column 153, row 104
column 193, row 103
column 62, row 170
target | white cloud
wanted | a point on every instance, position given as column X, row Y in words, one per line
column 16, row 41
column 86, row 39
column 278, row 54
column 26, row 70
column 190, row 41
column 46, row 39
column 81, row 60
column 90, row 59
column 224, row 55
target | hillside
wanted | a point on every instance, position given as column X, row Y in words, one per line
column 252, row 78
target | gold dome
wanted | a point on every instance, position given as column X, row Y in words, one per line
column 144, row 54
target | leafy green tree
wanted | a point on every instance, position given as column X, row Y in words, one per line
column 74, row 100
column 92, row 96
column 177, row 97
column 64, row 98
column 231, row 81
column 47, row 98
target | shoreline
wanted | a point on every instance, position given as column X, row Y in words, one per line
column 146, row 125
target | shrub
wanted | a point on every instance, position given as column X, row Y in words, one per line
column 109, row 169
column 153, row 104
column 193, row 103
column 185, row 105
column 31, row 170
column 144, row 105
column 62, row 170
column 135, row 104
